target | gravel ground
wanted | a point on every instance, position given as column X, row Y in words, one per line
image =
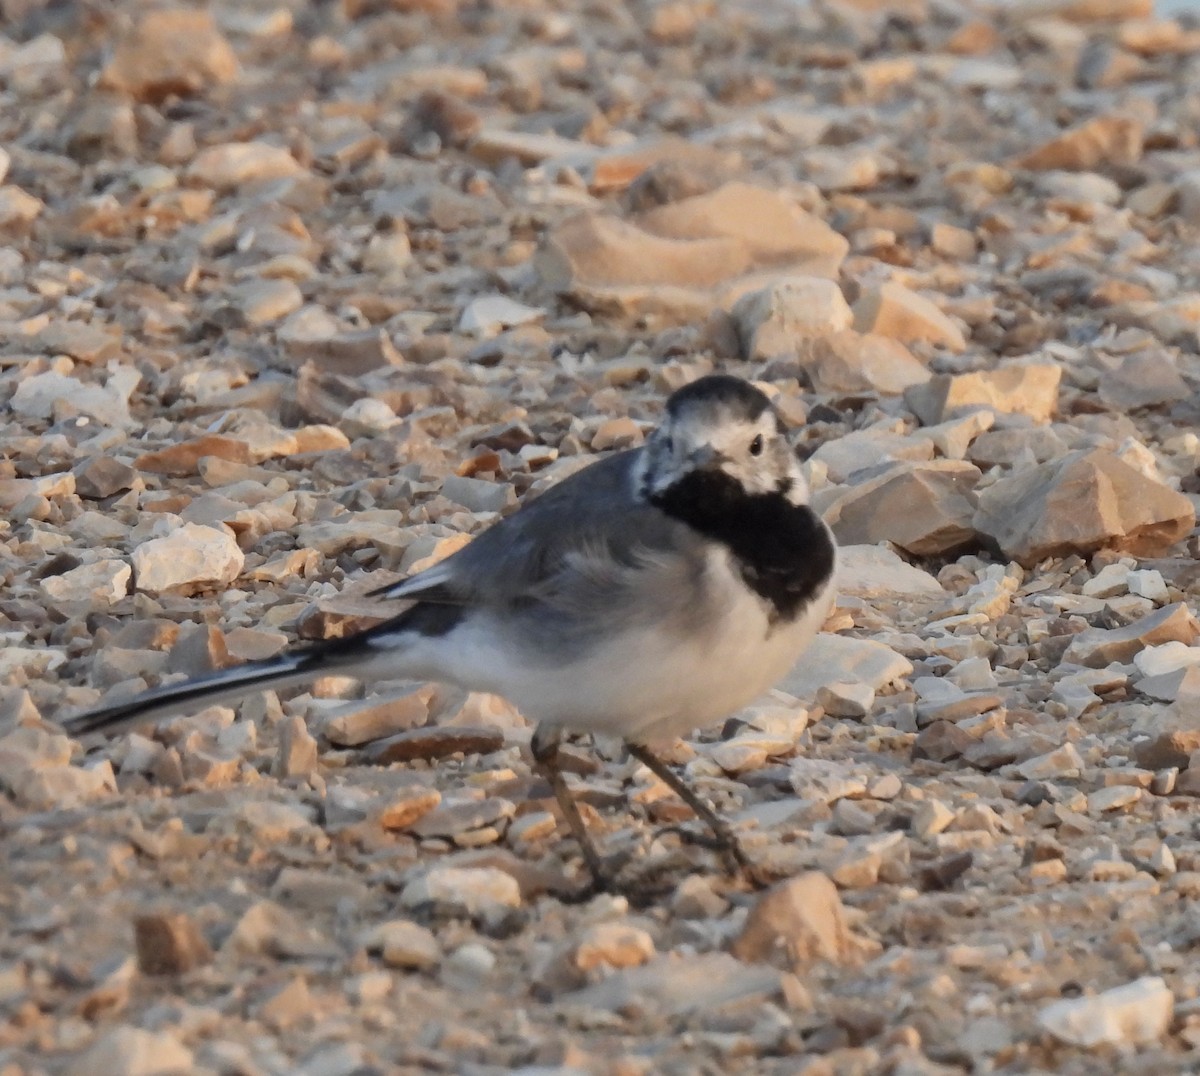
column 296, row 298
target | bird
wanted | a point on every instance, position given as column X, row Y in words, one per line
column 649, row 594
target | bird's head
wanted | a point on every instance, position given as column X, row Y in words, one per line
column 720, row 434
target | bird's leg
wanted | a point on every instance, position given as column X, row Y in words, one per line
column 726, row 840
column 544, row 747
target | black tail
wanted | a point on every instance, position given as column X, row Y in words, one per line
column 226, row 685
column 299, row 666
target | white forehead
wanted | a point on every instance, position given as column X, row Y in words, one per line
column 719, row 426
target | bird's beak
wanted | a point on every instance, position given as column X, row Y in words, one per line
column 706, row 458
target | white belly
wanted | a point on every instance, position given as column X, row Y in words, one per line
column 651, row 683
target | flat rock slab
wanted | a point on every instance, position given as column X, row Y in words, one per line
column 841, row 659
column 1078, row 505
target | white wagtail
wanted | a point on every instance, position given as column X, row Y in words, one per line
column 649, row 594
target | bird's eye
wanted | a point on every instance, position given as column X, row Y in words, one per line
column 756, row 446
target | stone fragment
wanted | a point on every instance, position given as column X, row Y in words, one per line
column 850, row 361
column 297, row 753
column 407, row 807
column 1099, row 647
column 1081, row 503
column 681, row 259
column 286, row 1005
column 269, row 929
column 851, row 700
column 479, row 891
column 1143, row 379
column 612, row 945
column 876, row 572
column 262, row 302
column 102, row 477
column 941, row 741
column 100, row 583
column 489, row 315
column 183, row 457
column 890, row 309
column 924, row 508
column 18, row 207
column 1027, row 388
column 54, row 395
column 190, row 557
column 780, row 319
column 358, row 723
column 404, row 944
column 1136, row 1014
column 1061, row 763
column 169, row 944
column 800, row 920
column 232, row 165
column 133, row 1051
column 840, row 658
column 170, row 52
column 433, row 743
column 1098, row 143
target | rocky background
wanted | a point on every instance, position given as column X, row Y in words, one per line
column 295, row 297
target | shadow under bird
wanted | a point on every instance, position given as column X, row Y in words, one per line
column 647, row 595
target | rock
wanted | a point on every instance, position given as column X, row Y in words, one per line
column 18, row 207
column 839, row 658
column 53, row 395
column 297, row 753
column 1081, row 503
column 434, row 743
column 874, row 571
column 851, row 700
column 236, row 164
column 1061, row 763
column 358, row 723
column 681, row 984
column 100, row 583
column 191, row 557
column 681, row 259
column 102, row 477
column 170, row 52
column 452, row 819
column 924, row 508
column 407, row 807
column 477, row 891
column 931, row 818
column 285, row 1005
column 479, row 495
column 1144, row 379
column 169, row 944
column 268, row 929
column 850, row 361
column 890, row 309
column 1029, row 388
column 941, row 741
column 489, row 315
column 262, row 302
column 1099, row 647
column 800, row 920
column 266, row 822
column 183, row 457
column 404, row 944
column 1136, row 1014
column 612, row 945
column 133, row 1051
column 780, row 319
column 1097, row 143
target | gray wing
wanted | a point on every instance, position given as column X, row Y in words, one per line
column 584, row 534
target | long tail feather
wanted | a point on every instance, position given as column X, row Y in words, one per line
column 227, row 685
